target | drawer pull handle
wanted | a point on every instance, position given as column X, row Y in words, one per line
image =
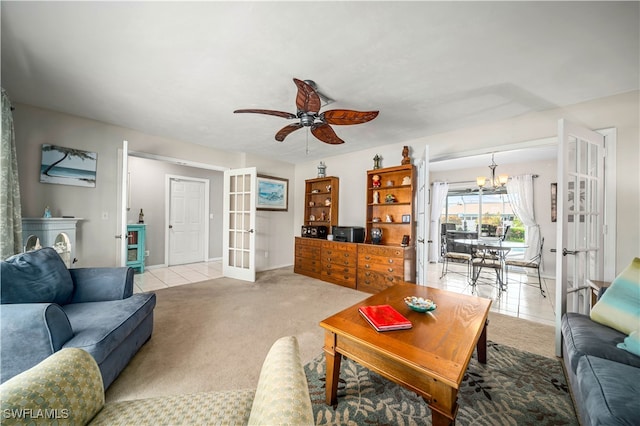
column 367, row 266
column 390, row 278
column 390, row 260
column 367, row 258
column 390, row 269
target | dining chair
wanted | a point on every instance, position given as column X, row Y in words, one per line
column 457, row 257
column 533, row 263
column 487, row 257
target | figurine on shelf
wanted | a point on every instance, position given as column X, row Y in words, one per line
column 312, row 218
column 389, row 218
column 328, row 188
column 405, row 156
column 323, row 216
column 47, row 212
column 406, row 180
column 390, row 198
column 376, row 162
column 375, row 181
column 327, row 202
column 376, row 197
column 322, row 170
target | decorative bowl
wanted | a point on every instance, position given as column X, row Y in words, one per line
column 420, row 304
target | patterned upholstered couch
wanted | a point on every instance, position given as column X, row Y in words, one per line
column 67, row 387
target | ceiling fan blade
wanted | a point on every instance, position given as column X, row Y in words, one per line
column 268, row 112
column 307, row 99
column 347, row 116
column 286, row 130
column 325, row 133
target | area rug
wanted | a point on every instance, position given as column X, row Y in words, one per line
column 513, row 388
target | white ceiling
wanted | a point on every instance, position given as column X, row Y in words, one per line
column 178, row 70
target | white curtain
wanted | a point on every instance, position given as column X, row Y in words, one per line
column 520, row 192
column 438, row 196
column 10, row 215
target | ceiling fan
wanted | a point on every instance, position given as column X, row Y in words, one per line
column 308, row 104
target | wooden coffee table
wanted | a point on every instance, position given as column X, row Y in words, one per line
column 429, row 359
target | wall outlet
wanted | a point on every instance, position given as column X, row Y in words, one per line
column 266, row 254
column 146, row 253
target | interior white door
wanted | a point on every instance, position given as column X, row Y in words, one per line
column 188, row 208
column 422, row 218
column 239, row 218
column 122, row 205
column 580, row 228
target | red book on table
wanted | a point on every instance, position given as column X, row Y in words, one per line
column 384, row 318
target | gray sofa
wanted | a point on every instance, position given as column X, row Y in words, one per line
column 604, row 379
column 46, row 307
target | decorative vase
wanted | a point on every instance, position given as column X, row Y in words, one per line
column 376, row 235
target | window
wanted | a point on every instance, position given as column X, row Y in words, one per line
column 487, row 212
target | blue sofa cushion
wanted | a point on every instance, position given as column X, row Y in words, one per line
column 586, row 337
column 609, row 390
column 38, row 276
column 99, row 327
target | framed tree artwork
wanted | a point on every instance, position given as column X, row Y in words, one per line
column 68, row 166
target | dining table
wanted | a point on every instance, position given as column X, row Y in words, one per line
column 489, row 253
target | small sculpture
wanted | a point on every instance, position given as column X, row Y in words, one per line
column 376, row 162
column 376, row 181
column 405, row 156
column 323, row 216
column 390, row 198
column 406, row 180
column 47, row 212
column 327, row 202
column 376, row 197
column 322, row 170
column 389, row 218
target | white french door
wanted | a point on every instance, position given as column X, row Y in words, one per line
column 122, row 204
column 239, row 218
column 187, row 210
column 422, row 218
column 580, row 229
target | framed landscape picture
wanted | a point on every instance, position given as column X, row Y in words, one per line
column 68, row 166
column 273, row 193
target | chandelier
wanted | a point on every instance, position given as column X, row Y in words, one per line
column 492, row 182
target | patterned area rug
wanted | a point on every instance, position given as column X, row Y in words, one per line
column 513, row 388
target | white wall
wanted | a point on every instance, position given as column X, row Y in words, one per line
column 620, row 111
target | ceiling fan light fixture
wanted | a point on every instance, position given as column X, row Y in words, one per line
column 308, row 104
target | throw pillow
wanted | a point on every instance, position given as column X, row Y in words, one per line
column 38, row 276
column 619, row 307
column 631, row 343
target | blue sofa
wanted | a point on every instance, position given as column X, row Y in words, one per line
column 604, row 379
column 46, row 307
column 601, row 354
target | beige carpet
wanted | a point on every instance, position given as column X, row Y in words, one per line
column 214, row 335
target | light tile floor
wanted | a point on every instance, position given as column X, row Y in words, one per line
column 157, row 278
column 522, row 299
